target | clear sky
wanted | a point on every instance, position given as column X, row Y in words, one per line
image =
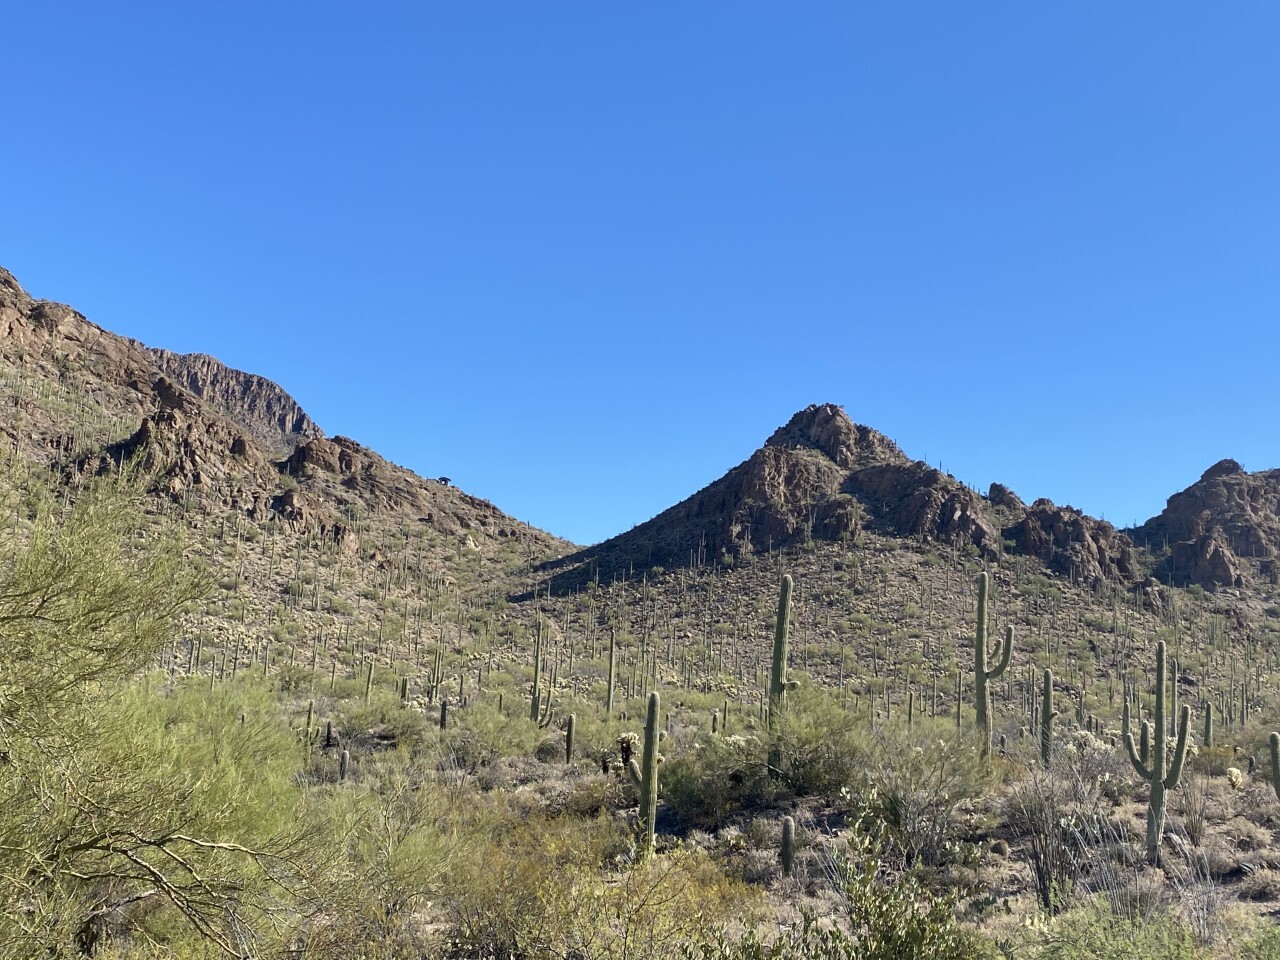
column 585, row 257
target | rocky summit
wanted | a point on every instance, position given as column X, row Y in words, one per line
column 822, row 477
column 1220, row 531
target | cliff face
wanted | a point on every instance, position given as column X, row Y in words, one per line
column 262, row 409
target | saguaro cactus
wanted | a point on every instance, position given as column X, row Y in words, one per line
column 568, row 738
column 534, row 698
column 613, row 666
column 1275, row 762
column 778, row 682
column 788, row 853
column 1047, row 713
column 981, row 673
column 1161, row 773
column 645, row 774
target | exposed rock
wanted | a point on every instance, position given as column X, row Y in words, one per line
column 827, row 429
column 916, row 500
column 1202, row 561
column 1217, row 527
column 1001, row 496
column 262, row 409
column 1074, row 544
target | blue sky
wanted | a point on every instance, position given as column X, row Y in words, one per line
column 583, row 258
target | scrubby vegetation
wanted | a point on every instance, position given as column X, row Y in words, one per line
column 168, row 793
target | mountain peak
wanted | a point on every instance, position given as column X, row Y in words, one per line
column 1223, row 468
column 827, row 428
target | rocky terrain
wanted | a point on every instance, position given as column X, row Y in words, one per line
column 822, row 477
column 1222, row 529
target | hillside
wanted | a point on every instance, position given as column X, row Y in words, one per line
column 444, row 696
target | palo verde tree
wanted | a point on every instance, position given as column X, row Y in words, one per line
column 98, row 816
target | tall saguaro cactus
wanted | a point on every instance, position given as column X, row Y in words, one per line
column 534, row 700
column 1153, row 763
column 1274, row 739
column 1047, row 713
column 645, row 774
column 981, row 673
column 613, row 666
column 778, row 682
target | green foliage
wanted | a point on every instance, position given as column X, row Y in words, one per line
column 913, row 781
column 721, row 776
column 821, row 745
column 1092, row 932
column 895, row 920
column 1264, row 947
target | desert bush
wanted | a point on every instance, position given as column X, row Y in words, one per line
column 821, row 745
column 720, row 777
column 913, row 782
column 1093, row 932
column 570, row 887
column 882, row 918
column 1040, row 811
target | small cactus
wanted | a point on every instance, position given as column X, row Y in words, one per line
column 788, row 852
column 344, row 763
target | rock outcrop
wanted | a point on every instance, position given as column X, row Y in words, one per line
column 1074, row 544
column 262, row 409
column 1218, row 528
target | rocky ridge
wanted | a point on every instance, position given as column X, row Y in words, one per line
column 212, row 438
column 823, row 477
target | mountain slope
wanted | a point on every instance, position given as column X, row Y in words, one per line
column 211, row 437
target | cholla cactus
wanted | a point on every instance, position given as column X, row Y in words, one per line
column 626, row 747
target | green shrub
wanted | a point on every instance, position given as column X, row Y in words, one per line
column 883, row 920
column 1093, row 932
column 1264, row 947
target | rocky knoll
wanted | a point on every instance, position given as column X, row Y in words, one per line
column 823, row 477
column 261, row 408
column 1220, row 528
column 820, row 476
